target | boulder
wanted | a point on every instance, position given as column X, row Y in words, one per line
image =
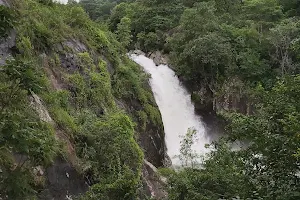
column 158, row 58
column 138, row 52
column 153, row 183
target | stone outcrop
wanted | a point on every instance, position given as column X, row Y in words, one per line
column 42, row 111
column 151, row 139
column 7, row 46
column 4, row 3
column 63, row 182
column 137, row 52
column 62, row 178
column 158, row 58
column 153, row 183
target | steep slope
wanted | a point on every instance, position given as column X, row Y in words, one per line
column 90, row 107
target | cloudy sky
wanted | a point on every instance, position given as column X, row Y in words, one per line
column 62, row 1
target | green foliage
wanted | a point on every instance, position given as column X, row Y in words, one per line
column 142, row 118
column 291, row 7
column 94, row 91
column 112, row 155
column 149, row 41
column 119, row 12
column 99, row 9
column 221, row 177
column 77, row 17
column 130, row 84
column 83, row 108
column 46, row 2
column 7, row 20
column 24, row 46
column 266, row 168
column 24, row 72
column 154, row 114
column 64, row 119
column 149, row 21
column 166, row 172
column 21, row 132
column 284, row 38
column 124, row 31
column 187, row 156
column 218, row 40
column 18, row 185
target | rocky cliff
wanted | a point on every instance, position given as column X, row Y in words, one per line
column 95, row 100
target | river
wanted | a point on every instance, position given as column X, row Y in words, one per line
column 176, row 108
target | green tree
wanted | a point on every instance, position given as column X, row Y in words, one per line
column 188, row 156
column 124, row 31
column 6, row 20
column 21, row 132
column 291, row 7
column 286, row 42
column 266, row 167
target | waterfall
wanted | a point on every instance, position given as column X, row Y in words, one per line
column 176, row 108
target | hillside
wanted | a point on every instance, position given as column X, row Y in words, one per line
column 75, row 111
column 78, row 119
column 240, row 60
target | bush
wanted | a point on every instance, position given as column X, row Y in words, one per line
column 114, row 157
column 7, row 20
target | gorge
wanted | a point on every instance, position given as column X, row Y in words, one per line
column 175, row 106
column 82, row 120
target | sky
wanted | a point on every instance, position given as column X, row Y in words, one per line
column 62, row 1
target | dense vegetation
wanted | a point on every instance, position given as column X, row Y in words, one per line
column 64, row 58
column 232, row 51
column 242, row 49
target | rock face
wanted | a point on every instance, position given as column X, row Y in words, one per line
column 7, row 46
column 62, row 178
column 63, row 182
column 151, row 139
column 4, row 2
column 158, row 58
column 137, row 52
column 153, row 183
column 233, row 97
column 153, row 142
column 37, row 104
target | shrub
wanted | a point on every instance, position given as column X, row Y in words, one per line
column 7, row 21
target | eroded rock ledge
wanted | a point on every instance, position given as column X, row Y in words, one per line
column 157, row 57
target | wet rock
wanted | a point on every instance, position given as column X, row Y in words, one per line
column 137, row 52
column 158, row 58
column 153, row 143
column 151, row 139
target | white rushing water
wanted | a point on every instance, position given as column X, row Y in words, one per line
column 176, row 108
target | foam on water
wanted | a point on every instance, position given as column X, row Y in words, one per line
column 176, row 108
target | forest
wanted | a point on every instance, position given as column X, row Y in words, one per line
column 239, row 58
column 247, row 49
